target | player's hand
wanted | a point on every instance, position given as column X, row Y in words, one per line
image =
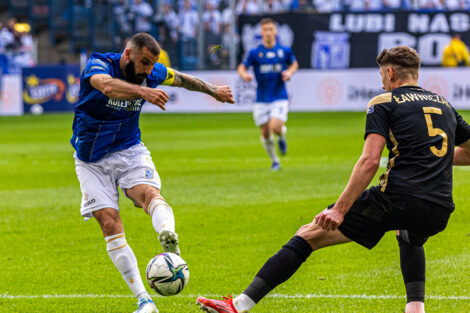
column 223, row 94
column 286, row 75
column 329, row 219
column 247, row 77
column 156, row 96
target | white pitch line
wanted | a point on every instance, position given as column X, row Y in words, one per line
column 276, row 295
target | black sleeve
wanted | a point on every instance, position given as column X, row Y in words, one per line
column 462, row 133
column 378, row 120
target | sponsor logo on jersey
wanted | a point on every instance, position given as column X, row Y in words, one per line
column 371, row 109
column 149, row 173
column 270, row 68
column 270, row 54
column 128, row 105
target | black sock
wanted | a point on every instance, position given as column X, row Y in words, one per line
column 413, row 269
column 279, row 268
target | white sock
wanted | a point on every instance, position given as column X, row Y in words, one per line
column 124, row 260
column 243, row 303
column 283, row 132
column 415, row 307
column 162, row 215
column 268, row 145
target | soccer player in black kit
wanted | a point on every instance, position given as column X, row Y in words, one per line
column 420, row 130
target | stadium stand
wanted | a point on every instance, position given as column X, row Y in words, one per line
column 66, row 27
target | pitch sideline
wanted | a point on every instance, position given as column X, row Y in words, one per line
column 276, row 295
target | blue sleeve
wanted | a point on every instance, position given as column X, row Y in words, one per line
column 290, row 57
column 97, row 64
column 250, row 59
column 158, row 75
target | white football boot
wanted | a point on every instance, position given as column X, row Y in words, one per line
column 146, row 306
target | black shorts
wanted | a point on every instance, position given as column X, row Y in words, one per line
column 374, row 213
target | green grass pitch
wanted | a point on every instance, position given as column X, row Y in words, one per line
column 232, row 213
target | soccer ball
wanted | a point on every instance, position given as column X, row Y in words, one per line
column 167, row 274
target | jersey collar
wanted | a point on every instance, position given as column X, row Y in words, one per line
column 410, row 84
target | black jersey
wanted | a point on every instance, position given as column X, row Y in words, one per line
column 421, row 129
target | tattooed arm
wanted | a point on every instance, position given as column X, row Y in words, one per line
column 189, row 82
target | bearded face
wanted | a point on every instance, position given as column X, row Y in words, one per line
column 131, row 73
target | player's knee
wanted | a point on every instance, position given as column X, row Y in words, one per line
column 150, row 194
column 109, row 224
column 265, row 133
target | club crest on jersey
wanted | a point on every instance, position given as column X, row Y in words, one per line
column 280, row 53
column 260, row 54
column 148, row 173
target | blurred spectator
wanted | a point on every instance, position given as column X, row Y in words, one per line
column 455, row 53
column 228, row 40
column 212, row 22
column 302, row 6
column 272, row 7
column 364, row 5
column 453, row 5
column 168, row 31
column 143, row 11
column 248, row 7
column 393, row 4
column 326, row 6
column 227, row 13
column 6, row 38
column 432, row 5
column 188, row 23
column 122, row 12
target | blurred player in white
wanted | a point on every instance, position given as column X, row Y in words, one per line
column 109, row 152
column 273, row 65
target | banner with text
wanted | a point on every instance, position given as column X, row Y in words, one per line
column 343, row 40
column 311, row 90
column 50, row 88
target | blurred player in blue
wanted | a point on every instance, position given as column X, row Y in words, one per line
column 273, row 65
column 109, row 152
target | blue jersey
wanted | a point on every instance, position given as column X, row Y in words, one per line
column 102, row 125
column 268, row 65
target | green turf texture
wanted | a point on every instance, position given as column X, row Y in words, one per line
column 232, row 214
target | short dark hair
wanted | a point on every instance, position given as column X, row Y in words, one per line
column 402, row 56
column 267, row 20
column 140, row 40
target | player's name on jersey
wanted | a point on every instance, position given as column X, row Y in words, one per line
column 270, row 68
column 128, row 105
column 408, row 97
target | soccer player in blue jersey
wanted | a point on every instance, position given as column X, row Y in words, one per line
column 109, row 152
column 273, row 65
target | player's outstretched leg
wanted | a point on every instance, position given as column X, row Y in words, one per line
column 163, row 222
column 282, row 140
column 413, row 268
column 123, row 257
column 268, row 144
column 278, row 127
column 267, row 140
column 279, row 268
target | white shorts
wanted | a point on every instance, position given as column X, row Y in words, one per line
column 263, row 112
column 125, row 168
